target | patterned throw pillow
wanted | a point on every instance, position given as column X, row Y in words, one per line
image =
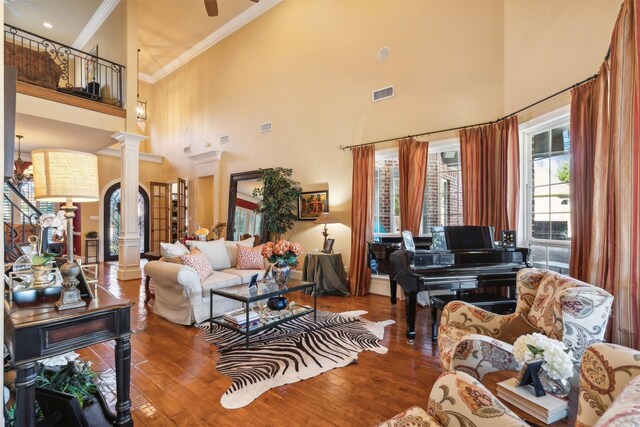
column 250, row 258
column 198, row 262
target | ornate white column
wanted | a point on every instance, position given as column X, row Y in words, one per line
column 129, row 240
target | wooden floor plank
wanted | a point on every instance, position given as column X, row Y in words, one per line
column 174, row 381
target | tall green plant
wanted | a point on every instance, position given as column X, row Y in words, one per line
column 279, row 203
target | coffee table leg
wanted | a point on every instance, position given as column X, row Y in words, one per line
column 315, row 296
column 210, row 312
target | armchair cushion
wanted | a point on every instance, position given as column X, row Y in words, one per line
column 625, row 409
column 515, row 328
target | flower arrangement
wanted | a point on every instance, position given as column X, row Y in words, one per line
column 557, row 357
column 217, row 229
column 283, row 252
column 58, row 224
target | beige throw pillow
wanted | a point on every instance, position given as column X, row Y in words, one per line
column 215, row 251
column 172, row 250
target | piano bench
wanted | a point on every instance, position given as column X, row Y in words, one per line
column 492, row 302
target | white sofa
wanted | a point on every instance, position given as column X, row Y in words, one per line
column 181, row 297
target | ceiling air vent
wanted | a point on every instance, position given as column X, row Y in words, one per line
column 265, row 127
column 384, row 93
column 187, row 149
column 225, row 139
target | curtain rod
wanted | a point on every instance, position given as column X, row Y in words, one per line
column 342, row 147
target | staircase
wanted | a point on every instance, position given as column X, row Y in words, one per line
column 20, row 221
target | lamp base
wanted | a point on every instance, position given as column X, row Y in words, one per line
column 70, row 296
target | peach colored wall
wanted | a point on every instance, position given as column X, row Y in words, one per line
column 550, row 45
column 310, row 67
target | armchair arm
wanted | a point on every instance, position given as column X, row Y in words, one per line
column 473, row 354
column 605, row 371
column 175, row 278
column 458, row 399
column 470, row 318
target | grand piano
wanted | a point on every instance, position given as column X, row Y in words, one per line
column 470, row 261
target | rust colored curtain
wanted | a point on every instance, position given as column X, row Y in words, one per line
column 362, row 193
column 491, row 175
column 614, row 258
column 412, row 156
column 589, row 128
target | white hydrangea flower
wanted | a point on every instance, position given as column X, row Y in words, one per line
column 557, row 358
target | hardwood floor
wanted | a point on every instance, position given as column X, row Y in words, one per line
column 174, row 381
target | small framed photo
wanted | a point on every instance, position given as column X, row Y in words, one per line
column 25, row 249
column 311, row 204
column 529, row 375
column 328, row 246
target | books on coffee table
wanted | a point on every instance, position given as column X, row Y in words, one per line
column 239, row 317
column 547, row 409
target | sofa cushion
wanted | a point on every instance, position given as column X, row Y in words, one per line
column 244, row 275
column 250, row 258
column 215, row 251
column 198, row 262
column 172, row 250
column 219, row 280
column 232, row 248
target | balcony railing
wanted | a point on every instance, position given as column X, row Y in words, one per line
column 45, row 63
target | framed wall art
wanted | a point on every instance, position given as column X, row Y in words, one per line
column 311, row 204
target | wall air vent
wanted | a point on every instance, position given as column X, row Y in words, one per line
column 225, row 139
column 384, row 93
column 265, row 127
column 187, row 150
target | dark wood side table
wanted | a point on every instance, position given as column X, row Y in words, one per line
column 491, row 380
column 37, row 331
column 150, row 256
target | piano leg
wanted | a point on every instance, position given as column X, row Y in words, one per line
column 412, row 300
column 393, row 288
column 434, row 323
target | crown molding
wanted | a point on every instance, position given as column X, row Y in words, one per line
column 227, row 29
column 145, row 157
column 207, row 156
column 98, row 18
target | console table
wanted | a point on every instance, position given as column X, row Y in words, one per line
column 37, row 331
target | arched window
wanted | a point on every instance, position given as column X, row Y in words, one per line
column 112, row 221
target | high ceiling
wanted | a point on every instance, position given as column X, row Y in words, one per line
column 167, row 29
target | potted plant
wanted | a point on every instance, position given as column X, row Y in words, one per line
column 279, row 200
column 91, row 235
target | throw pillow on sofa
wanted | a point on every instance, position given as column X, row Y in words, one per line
column 232, row 248
column 172, row 250
column 199, row 262
column 250, row 258
column 215, row 251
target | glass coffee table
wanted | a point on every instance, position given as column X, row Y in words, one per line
column 248, row 323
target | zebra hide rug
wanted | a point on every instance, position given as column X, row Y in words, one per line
column 291, row 352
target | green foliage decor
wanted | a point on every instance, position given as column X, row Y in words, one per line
column 279, row 202
column 76, row 378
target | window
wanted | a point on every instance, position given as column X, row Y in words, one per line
column 442, row 204
column 547, row 215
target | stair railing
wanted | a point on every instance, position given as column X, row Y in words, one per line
column 21, row 214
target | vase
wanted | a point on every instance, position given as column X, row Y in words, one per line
column 556, row 387
column 281, row 272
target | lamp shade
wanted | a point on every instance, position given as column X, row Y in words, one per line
column 61, row 175
column 324, row 218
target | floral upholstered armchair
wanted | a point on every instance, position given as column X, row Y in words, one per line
column 609, row 386
column 556, row 305
column 456, row 399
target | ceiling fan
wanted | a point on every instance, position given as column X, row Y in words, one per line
column 212, row 6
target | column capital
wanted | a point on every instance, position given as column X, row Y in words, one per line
column 128, row 137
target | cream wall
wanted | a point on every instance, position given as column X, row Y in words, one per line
column 110, row 37
column 550, row 45
column 310, row 67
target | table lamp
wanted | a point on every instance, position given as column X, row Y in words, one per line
column 324, row 218
column 66, row 176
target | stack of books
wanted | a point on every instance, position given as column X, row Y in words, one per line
column 547, row 409
column 239, row 318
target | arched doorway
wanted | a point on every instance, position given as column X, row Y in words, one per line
column 112, row 221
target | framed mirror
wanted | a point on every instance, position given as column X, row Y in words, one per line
column 241, row 216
